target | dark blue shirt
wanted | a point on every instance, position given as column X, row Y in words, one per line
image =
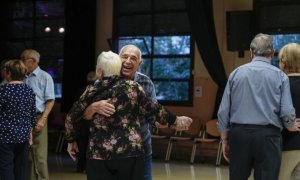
column 17, row 112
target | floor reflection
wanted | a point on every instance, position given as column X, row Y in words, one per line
column 61, row 167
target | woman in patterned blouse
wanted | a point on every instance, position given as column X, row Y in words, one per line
column 17, row 117
column 115, row 146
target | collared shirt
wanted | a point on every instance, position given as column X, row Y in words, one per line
column 146, row 83
column 42, row 84
column 117, row 136
column 256, row 93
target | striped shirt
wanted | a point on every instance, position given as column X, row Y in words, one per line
column 149, row 89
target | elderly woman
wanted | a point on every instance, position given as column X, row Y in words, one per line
column 115, row 148
column 289, row 62
column 17, row 118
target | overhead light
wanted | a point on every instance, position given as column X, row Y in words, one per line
column 47, row 29
column 61, row 30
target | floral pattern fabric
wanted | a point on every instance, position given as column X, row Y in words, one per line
column 117, row 136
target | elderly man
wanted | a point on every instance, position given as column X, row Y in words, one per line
column 42, row 84
column 255, row 106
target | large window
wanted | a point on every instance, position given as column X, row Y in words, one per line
column 161, row 30
column 38, row 25
column 280, row 40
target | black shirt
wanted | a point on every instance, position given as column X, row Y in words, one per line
column 291, row 140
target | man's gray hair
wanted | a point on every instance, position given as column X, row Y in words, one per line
column 262, row 45
column 110, row 63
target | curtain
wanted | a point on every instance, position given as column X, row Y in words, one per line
column 79, row 48
column 200, row 13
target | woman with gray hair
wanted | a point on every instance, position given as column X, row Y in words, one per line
column 115, row 149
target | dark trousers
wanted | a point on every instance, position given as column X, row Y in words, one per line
column 119, row 169
column 257, row 148
column 13, row 161
column 82, row 141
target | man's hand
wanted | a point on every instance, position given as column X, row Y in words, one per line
column 40, row 124
column 103, row 107
column 296, row 125
column 182, row 123
column 30, row 138
column 225, row 149
column 72, row 150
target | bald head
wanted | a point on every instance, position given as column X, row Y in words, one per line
column 131, row 57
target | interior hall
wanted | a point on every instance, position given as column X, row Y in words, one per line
column 189, row 48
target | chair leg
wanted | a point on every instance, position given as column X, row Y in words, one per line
column 193, row 153
column 219, row 155
column 169, row 150
column 60, row 142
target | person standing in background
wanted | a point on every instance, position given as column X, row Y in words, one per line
column 289, row 62
column 42, row 84
column 3, row 71
column 17, row 118
column 131, row 57
column 256, row 104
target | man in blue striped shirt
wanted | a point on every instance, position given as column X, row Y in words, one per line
column 256, row 104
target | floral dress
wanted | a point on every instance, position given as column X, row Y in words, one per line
column 117, row 136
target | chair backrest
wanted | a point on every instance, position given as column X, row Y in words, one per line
column 163, row 131
column 211, row 128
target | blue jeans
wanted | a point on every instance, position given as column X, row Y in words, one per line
column 148, row 167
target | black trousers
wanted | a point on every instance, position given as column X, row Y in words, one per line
column 257, row 148
column 13, row 161
column 131, row 168
column 82, row 141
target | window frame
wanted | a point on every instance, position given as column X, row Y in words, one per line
column 50, row 63
column 116, row 36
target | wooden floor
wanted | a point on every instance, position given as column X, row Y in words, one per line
column 61, row 167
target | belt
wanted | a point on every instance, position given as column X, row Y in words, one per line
column 254, row 126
